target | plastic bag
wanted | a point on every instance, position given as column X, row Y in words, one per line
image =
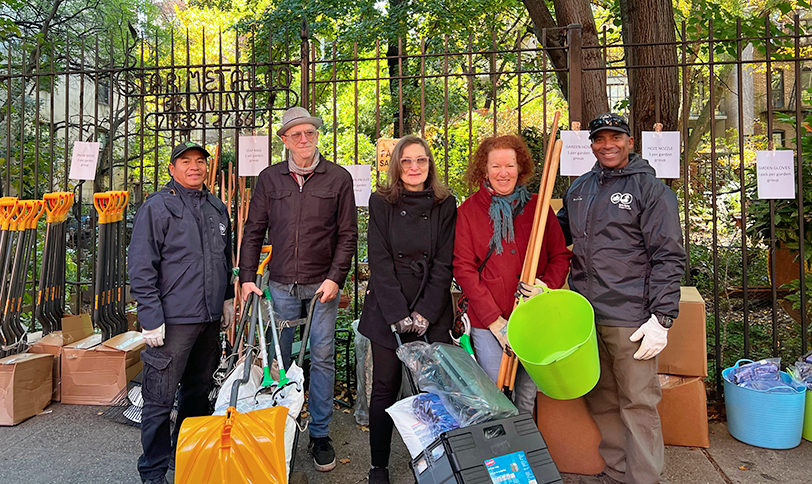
column 462, row 385
column 766, row 370
column 290, row 396
column 363, row 372
column 802, row 372
column 420, row 419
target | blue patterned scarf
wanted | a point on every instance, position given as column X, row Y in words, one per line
column 501, row 213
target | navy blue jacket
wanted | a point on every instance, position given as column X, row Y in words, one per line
column 628, row 256
column 180, row 257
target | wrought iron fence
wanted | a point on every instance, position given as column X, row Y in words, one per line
column 138, row 97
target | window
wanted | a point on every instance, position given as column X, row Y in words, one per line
column 104, row 93
column 779, row 136
column 777, row 87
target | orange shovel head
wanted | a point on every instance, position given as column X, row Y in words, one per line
column 233, row 448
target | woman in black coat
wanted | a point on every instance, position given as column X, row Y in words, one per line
column 411, row 246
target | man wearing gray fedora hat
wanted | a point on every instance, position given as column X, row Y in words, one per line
column 306, row 206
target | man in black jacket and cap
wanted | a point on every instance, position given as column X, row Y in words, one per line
column 628, row 260
column 180, row 267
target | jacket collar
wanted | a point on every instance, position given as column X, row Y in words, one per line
column 320, row 168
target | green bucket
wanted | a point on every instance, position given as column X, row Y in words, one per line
column 553, row 334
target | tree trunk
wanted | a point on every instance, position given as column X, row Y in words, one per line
column 651, row 22
column 593, row 82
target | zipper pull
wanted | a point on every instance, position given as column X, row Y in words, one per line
column 300, row 188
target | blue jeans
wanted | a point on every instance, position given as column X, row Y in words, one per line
column 489, row 355
column 291, row 301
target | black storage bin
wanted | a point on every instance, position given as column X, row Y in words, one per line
column 459, row 456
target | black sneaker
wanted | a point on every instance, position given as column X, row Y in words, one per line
column 324, row 457
column 379, row 475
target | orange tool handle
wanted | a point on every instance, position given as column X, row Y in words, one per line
column 266, row 249
column 38, row 210
column 7, row 210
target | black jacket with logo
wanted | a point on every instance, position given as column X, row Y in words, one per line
column 180, row 257
column 313, row 229
column 628, row 256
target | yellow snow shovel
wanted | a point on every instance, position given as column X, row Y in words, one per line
column 236, row 447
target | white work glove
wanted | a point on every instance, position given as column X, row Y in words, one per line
column 405, row 325
column 154, row 337
column 527, row 291
column 655, row 337
column 499, row 329
column 228, row 315
column 419, row 323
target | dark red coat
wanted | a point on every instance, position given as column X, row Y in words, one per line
column 492, row 295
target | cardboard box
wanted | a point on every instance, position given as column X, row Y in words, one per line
column 95, row 373
column 684, row 411
column 25, row 386
column 74, row 328
column 571, row 434
column 687, row 350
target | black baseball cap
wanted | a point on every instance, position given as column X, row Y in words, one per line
column 184, row 147
column 610, row 122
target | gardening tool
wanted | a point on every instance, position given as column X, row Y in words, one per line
column 51, row 295
column 237, row 447
column 25, row 223
column 108, row 306
column 9, row 207
column 531, row 258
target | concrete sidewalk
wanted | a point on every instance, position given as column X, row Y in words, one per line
column 71, row 444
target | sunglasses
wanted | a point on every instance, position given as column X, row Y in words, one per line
column 608, row 121
column 421, row 161
column 310, row 134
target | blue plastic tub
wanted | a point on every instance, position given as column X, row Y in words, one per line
column 762, row 418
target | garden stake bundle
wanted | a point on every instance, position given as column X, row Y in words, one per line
column 51, row 295
column 509, row 364
column 20, row 223
column 108, row 306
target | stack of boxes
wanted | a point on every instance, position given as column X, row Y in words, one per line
column 72, row 366
column 683, row 366
column 572, row 435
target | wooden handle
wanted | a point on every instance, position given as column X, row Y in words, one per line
column 545, row 208
column 500, row 380
column 528, row 274
column 514, row 369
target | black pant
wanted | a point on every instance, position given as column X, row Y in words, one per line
column 188, row 357
column 386, row 381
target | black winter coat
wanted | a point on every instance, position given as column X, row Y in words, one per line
column 411, row 248
column 628, row 256
column 180, row 257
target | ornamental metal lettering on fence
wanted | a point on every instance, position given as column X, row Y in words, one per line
column 139, row 96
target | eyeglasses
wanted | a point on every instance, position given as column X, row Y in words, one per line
column 310, row 134
column 421, row 161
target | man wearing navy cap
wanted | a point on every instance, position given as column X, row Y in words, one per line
column 628, row 260
column 179, row 266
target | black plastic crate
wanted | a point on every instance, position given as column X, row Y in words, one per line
column 460, row 456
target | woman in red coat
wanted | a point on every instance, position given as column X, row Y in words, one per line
column 493, row 226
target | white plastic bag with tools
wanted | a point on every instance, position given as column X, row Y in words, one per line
column 291, row 397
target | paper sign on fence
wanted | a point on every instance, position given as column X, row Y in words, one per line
column 576, row 155
column 662, row 151
column 384, row 152
column 776, row 174
column 84, row 159
column 254, row 155
column 361, row 183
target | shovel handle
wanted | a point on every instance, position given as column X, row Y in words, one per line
column 515, row 368
column 503, row 366
column 266, row 249
column 8, row 206
column 36, row 213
